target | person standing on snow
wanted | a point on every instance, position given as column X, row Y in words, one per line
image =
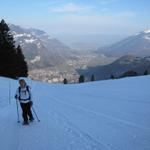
column 23, row 94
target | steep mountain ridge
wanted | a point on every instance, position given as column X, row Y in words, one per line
column 138, row 45
column 40, row 49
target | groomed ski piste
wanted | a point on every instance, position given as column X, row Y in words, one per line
column 103, row 115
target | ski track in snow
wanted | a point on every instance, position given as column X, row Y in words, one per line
column 37, row 133
column 105, row 145
column 78, row 135
column 100, row 114
column 90, row 143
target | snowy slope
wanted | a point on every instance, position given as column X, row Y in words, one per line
column 106, row 115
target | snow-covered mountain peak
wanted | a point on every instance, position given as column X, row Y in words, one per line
column 138, row 45
column 36, row 42
column 147, row 31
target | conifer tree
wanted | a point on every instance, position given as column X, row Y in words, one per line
column 22, row 65
column 65, row 81
column 12, row 61
column 93, row 78
column 81, row 79
column 112, row 77
column 146, row 72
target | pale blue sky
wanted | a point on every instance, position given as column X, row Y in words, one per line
column 79, row 16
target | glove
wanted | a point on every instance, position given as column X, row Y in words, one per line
column 31, row 103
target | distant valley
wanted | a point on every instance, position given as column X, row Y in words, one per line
column 51, row 60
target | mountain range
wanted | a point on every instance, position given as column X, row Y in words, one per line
column 138, row 45
column 39, row 48
column 118, row 67
column 48, row 58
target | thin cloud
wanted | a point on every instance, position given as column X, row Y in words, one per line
column 120, row 22
column 127, row 14
column 105, row 2
column 69, row 8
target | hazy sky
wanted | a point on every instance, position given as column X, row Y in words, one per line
column 79, row 16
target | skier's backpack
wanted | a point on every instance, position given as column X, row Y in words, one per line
column 27, row 89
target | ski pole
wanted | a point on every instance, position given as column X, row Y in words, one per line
column 18, row 120
column 35, row 114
